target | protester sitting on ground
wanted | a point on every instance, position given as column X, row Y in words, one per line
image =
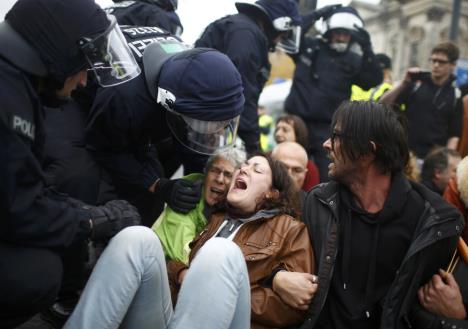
column 445, row 296
column 294, row 157
column 176, row 230
column 439, row 166
column 129, row 286
column 376, row 236
column 291, row 128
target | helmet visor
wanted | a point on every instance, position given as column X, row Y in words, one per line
column 110, row 57
column 290, row 40
column 205, row 137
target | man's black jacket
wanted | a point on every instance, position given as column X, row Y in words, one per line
column 435, row 237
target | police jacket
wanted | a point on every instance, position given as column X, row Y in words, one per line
column 268, row 241
column 241, row 39
column 323, row 78
column 433, row 240
column 125, row 125
column 30, row 213
column 140, row 13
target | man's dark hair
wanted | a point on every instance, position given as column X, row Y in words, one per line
column 448, row 48
column 385, row 62
column 360, row 123
column 299, row 126
column 436, row 160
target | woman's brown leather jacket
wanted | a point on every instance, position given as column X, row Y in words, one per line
column 267, row 244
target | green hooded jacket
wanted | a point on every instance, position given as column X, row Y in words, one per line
column 177, row 230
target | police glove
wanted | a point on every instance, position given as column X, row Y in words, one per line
column 181, row 195
column 362, row 37
column 319, row 13
column 111, row 218
column 326, row 10
column 309, row 19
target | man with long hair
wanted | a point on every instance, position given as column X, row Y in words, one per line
column 376, row 236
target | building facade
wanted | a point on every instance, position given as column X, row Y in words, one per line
column 407, row 30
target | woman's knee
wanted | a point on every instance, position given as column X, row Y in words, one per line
column 139, row 239
column 219, row 252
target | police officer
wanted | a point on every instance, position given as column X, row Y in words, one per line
column 326, row 68
column 45, row 44
column 159, row 13
column 192, row 105
column 374, row 94
column 246, row 38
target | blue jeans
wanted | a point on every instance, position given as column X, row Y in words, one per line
column 129, row 287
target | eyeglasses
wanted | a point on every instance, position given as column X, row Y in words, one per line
column 334, row 135
column 218, row 171
column 438, row 61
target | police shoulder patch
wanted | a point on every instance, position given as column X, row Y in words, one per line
column 23, row 126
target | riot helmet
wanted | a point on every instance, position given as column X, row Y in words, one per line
column 346, row 18
column 282, row 20
column 68, row 36
column 200, row 91
column 112, row 62
column 343, row 20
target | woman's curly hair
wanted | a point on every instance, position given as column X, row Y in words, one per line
column 288, row 199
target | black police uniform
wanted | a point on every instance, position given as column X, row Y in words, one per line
column 242, row 40
column 31, row 215
column 322, row 80
column 140, row 13
column 36, row 221
column 128, row 136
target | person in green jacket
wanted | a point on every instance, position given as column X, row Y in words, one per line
column 176, row 230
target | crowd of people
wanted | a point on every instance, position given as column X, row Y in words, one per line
column 354, row 219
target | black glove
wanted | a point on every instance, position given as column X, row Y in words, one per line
column 111, row 218
column 309, row 19
column 362, row 37
column 326, row 11
column 180, row 194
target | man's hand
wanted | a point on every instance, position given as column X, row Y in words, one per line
column 362, row 37
column 309, row 18
column 441, row 296
column 111, row 218
column 326, row 11
column 295, row 289
column 409, row 72
column 180, row 194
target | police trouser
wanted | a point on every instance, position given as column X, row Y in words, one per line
column 318, row 134
column 29, row 282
